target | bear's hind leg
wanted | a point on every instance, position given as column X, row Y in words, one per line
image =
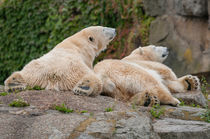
column 145, row 99
column 165, row 97
column 89, row 85
column 191, row 83
column 15, row 82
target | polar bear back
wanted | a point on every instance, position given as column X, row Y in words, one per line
column 54, row 74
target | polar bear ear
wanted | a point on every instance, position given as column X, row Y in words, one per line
column 140, row 50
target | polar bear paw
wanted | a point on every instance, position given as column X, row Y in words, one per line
column 193, row 83
column 83, row 88
column 151, row 100
column 15, row 83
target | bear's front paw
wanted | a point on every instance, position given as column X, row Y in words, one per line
column 83, row 89
column 193, row 83
column 14, row 88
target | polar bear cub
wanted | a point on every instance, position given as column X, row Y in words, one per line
column 68, row 64
column 142, row 79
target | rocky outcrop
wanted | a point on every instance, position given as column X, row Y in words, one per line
column 168, row 128
column 123, row 121
column 182, row 26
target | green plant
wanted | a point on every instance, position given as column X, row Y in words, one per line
column 133, row 106
column 109, row 109
column 204, row 86
column 34, row 88
column 84, row 111
column 156, row 111
column 19, row 103
column 3, row 93
column 181, row 102
column 62, row 108
column 206, row 115
column 31, row 28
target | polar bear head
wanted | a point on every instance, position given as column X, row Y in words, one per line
column 94, row 38
column 151, row 52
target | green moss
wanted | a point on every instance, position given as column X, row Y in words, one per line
column 3, row 93
column 62, row 108
column 19, row 103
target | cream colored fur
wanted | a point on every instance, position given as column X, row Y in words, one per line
column 141, row 78
column 67, row 64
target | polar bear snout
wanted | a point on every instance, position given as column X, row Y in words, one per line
column 110, row 33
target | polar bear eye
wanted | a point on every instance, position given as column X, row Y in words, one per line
column 91, row 39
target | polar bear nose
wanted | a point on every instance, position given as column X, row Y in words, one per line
column 110, row 33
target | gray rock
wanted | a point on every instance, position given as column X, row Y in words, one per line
column 135, row 127
column 1, row 88
column 184, row 113
column 191, row 7
column 53, row 126
column 192, row 97
column 122, row 123
column 181, row 129
column 155, row 8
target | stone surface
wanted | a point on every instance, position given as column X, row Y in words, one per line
column 125, row 121
column 192, row 97
column 191, row 7
column 1, row 88
column 184, row 113
column 45, row 100
column 181, row 129
column 155, row 8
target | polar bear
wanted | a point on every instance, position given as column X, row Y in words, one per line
column 66, row 65
column 152, row 57
column 142, row 79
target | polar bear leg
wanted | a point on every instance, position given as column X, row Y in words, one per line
column 183, row 84
column 151, row 98
column 15, row 82
column 165, row 97
column 145, row 99
column 89, row 85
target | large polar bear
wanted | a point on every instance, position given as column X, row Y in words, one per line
column 68, row 64
column 143, row 79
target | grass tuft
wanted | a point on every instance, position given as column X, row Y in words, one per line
column 109, row 109
column 19, row 103
column 157, row 111
column 62, row 108
column 3, row 93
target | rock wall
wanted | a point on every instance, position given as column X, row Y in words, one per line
column 40, row 120
column 182, row 26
